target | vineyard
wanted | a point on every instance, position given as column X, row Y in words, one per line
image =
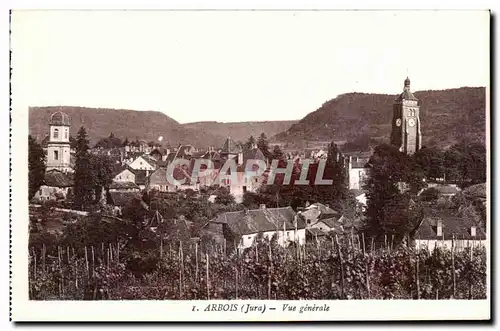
column 332, row 269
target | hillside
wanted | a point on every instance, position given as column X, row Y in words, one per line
column 99, row 122
column 240, row 131
column 446, row 115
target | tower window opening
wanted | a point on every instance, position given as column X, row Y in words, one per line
column 56, row 133
column 56, row 155
column 66, row 134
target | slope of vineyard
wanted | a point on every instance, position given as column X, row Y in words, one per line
column 323, row 271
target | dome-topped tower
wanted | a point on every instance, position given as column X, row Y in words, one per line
column 59, row 118
column 407, row 83
column 58, row 148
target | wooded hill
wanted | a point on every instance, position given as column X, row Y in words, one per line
column 447, row 116
column 149, row 125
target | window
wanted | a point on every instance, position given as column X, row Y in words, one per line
column 66, row 134
column 56, row 155
column 56, row 133
column 244, row 189
column 249, row 237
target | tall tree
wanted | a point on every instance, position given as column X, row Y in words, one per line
column 263, row 145
column 390, row 207
column 102, row 170
column 277, row 153
column 84, row 181
column 465, row 163
column 36, row 166
column 335, row 170
column 431, row 161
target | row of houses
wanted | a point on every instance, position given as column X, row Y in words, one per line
column 438, row 228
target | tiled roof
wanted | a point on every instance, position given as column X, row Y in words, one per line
column 323, row 209
column 123, row 186
column 406, row 95
column 454, row 222
column 260, row 220
column 152, row 161
column 330, row 221
column 55, row 178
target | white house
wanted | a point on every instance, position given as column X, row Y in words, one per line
column 444, row 227
column 242, row 227
column 55, row 187
column 358, row 169
column 144, row 162
column 126, row 175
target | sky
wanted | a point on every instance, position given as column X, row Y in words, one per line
column 231, row 66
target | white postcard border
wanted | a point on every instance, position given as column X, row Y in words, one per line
column 339, row 310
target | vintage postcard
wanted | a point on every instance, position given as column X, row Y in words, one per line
column 250, row 165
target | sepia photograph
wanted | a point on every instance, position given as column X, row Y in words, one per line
column 250, row 163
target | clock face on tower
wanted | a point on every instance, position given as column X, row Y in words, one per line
column 411, row 122
column 398, row 122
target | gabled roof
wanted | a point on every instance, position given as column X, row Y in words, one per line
column 123, row 186
column 454, row 222
column 323, row 209
column 118, row 169
column 56, row 178
column 260, row 220
column 330, row 221
column 151, row 160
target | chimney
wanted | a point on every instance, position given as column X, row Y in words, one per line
column 262, row 206
column 473, row 231
column 439, row 228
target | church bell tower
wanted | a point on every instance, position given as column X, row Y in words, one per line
column 406, row 122
column 58, row 148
